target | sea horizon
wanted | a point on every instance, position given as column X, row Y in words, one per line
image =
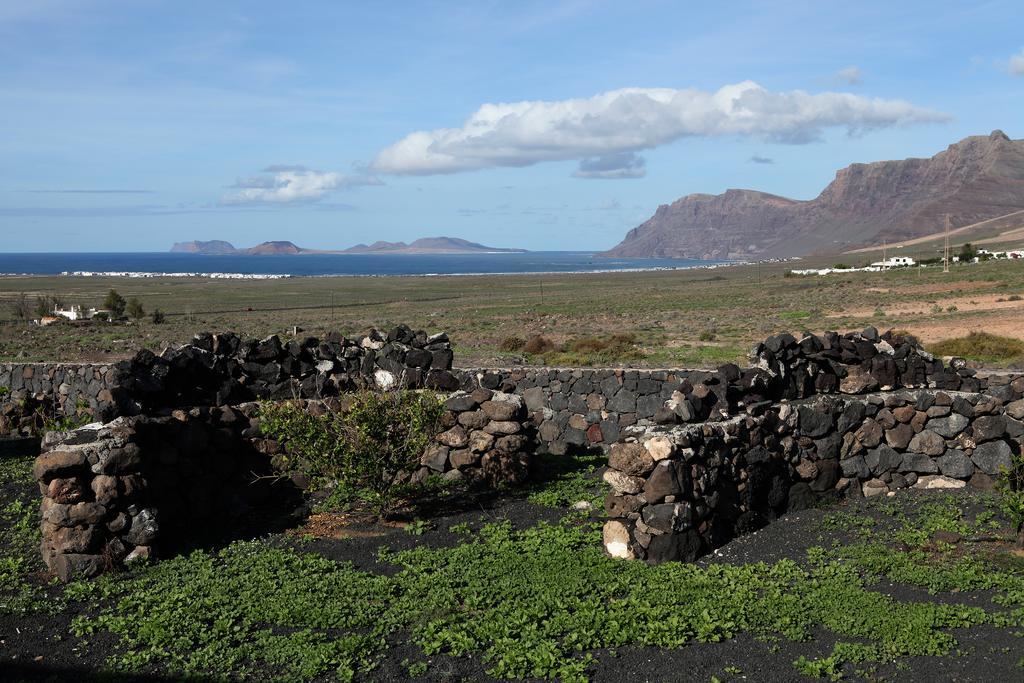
column 171, row 264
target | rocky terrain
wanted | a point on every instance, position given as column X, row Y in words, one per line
column 974, row 180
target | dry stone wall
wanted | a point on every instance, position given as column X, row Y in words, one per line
column 581, row 408
column 223, row 369
column 679, row 491
column 142, row 486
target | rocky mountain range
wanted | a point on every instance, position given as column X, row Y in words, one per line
column 975, row 179
column 424, row 245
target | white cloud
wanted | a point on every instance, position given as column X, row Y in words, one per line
column 1017, row 63
column 633, row 119
column 284, row 183
column 851, row 75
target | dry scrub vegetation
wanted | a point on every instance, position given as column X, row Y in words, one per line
column 693, row 318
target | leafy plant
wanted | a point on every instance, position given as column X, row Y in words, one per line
column 418, row 527
column 1011, row 496
column 158, row 317
column 365, row 448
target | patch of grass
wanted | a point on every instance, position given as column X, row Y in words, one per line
column 981, row 346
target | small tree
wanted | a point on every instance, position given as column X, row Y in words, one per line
column 45, row 305
column 134, row 309
column 114, row 303
column 967, row 252
column 21, row 309
column 157, row 317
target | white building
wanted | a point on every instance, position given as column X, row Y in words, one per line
column 894, row 262
column 75, row 312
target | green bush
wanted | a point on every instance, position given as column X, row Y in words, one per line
column 512, row 343
column 135, row 309
column 114, row 303
column 1011, row 496
column 980, row 346
column 361, row 447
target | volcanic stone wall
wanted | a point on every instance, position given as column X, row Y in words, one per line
column 223, row 369
column 585, row 408
column 679, row 491
column 147, row 486
column 33, row 392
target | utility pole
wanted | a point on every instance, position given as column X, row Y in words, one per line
column 945, row 250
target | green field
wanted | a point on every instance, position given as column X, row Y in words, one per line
column 696, row 318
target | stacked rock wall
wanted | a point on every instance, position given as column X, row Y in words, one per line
column 144, row 485
column 118, row 491
column 31, row 393
column 584, row 408
column 488, row 439
column 679, row 491
column 223, row 369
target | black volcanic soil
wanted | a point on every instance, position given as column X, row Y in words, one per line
column 38, row 647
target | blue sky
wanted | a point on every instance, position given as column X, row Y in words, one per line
column 126, row 126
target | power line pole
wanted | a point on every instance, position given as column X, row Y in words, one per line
column 945, row 251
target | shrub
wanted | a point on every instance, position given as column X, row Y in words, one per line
column 1011, row 496
column 134, row 309
column 102, row 316
column 114, row 303
column 362, row 447
column 512, row 343
column 538, row 344
column 157, row 317
column 21, row 309
column 980, row 346
column 45, row 305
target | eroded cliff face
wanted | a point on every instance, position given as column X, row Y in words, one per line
column 976, row 179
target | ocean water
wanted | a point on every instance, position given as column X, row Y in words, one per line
column 333, row 264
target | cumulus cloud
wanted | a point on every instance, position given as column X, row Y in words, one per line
column 761, row 160
column 612, row 167
column 851, row 75
column 633, row 119
column 1017, row 63
column 284, row 183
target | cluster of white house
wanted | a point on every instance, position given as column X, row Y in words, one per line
column 73, row 313
column 906, row 261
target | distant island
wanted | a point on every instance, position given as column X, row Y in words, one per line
column 424, row 245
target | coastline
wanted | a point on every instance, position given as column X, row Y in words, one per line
column 283, row 276
column 275, row 267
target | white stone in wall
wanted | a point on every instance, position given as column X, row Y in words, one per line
column 384, row 379
column 659, row 447
column 938, row 481
column 616, row 540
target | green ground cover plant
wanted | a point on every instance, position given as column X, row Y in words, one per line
column 253, row 609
